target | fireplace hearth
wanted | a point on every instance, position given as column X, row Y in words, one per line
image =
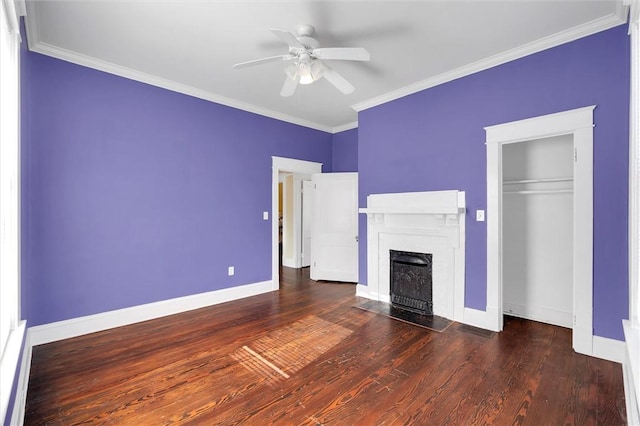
column 411, row 281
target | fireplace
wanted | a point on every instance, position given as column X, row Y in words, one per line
column 411, row 281
column 420, row 223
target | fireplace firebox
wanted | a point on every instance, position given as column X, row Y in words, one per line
column 411, row 281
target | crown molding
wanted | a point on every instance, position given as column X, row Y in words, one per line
column 142, row 77
column 593, row 27
column 617, row 18
column 345, row 127
column 38, row 46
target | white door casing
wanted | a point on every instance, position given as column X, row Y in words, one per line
column 334, row 229
column 579, row 123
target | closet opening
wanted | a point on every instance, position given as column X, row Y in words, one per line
column 540, row 222
column 537, row 230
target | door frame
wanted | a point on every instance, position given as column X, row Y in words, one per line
column 290, row 165
column 579, row 124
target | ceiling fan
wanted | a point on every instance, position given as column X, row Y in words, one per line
column 308, row 65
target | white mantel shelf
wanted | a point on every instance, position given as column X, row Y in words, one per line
column 387, row 210
column 430, row 202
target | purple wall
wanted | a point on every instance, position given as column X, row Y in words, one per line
column 345, row 151
column 434, row 140
column 134, row 194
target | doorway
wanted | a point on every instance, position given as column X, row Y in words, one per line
column 578, row 125
column 287, row 166
column 291, row 219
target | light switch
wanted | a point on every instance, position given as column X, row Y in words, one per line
column 265, row 215
column 479, row 215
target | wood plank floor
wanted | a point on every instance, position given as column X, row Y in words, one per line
column 306, row 356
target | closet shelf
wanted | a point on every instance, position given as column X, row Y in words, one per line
column 541, row 191
column 546, row 180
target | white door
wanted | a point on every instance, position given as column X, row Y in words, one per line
column 307, row 209
column 334, row 229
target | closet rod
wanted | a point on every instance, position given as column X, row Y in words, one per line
column 521, row 181
column 541, row 191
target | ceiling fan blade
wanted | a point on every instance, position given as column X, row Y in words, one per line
column 289, row 86
column 342, row 53
column 338, row 81
column 262, row 61
column 288, row 38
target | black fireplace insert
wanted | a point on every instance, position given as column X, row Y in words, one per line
column 411, row 282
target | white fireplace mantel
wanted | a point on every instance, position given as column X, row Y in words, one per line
column 422, row 222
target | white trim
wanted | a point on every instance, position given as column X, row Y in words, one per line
column 345, row 127
column 283, row 164
column 9, row 365
column 362, row 290
column 36, row 45
column 609, row 349
column 544, row 126
column 74, row 327
column 129, row 73
column 631, row 371
column 631, row 368
column 589, row 28
column 579, row 123
column 548, row 42
column 630, row 398
column 20, row 403
column 634, row 168
column 534, row 313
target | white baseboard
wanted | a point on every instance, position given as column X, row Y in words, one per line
column 609, row 349
column 631, row 372
column 363, row 291
column 9, row 364
column 93, row 323
column 20, row 403
column 539, row 313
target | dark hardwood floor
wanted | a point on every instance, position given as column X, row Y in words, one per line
column 306, row 356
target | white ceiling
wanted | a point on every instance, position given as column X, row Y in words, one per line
column 190, row 46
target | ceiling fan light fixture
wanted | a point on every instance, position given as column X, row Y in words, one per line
column 307, row 60
column 309, row 71
column 304, row 71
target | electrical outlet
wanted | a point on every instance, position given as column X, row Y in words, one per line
column 480, row 215
column 231, row 270
column 265, row 215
